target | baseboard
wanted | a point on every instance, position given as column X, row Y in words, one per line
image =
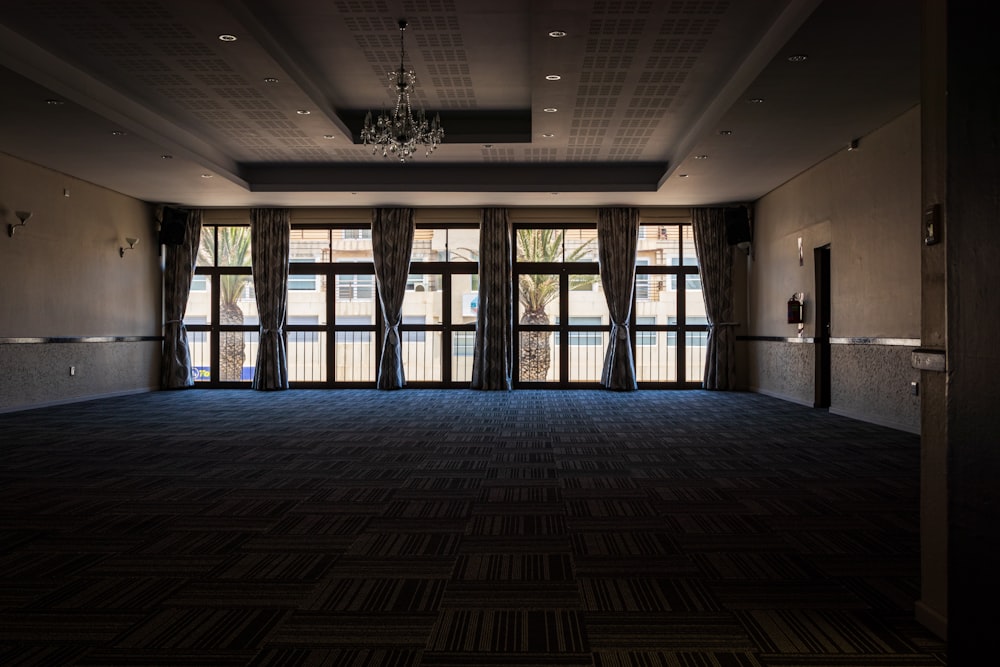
column 77, row 399
column 889, row 423
column 783, row 397
column 931, row 619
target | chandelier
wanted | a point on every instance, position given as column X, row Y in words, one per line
column 401, row 133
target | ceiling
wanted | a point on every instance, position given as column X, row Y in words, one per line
column 660, row 102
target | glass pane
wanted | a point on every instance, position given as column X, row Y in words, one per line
column 422, row 301
column 421, row 355
column 695, row 344
column 687, row 246
column 233, row 246
column 656, row 356
column 581, row 245
column 309, row 245
column 540, row 245
column 355, row 356
column 351, row 245
column 586, row 298
column 464, row 298
column 306, row 299
column 199, row 305
column 660, row 302
column 537, row 356
column 353, row 288
column 206, row 250
column 463, row 245
column 538, row 298
column 306, row 356
column 658, row 245
column 462, row 353
column 237, row 355
column 429, row 245
column 695, row 302
column 586, row 354
column 200, row 346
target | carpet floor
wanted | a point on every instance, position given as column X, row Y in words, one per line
column 458, row 528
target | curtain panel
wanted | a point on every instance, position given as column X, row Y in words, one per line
column 715, row 259
column 392, row 241
column 492, row 362
column 270, row 230
column 179, row 263
column 617, row 242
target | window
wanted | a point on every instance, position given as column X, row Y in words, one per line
column 356, row 234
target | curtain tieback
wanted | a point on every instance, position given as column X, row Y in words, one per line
column 392, row 335
column 279, row 330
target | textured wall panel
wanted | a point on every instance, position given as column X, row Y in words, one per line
column 38, row 374
column 872, row 383
column 781, row 369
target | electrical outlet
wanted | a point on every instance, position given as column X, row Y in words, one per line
column 915, row 388
column 72, row 371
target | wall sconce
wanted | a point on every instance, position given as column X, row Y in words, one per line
column 131, row 246
column 23, row 216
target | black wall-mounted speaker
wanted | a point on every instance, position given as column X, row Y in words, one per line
column 737, row 225
column 173, row 229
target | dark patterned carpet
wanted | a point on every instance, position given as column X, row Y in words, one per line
column 457, row 528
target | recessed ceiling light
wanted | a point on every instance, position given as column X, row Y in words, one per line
column 328, row 136
column 207, row 175
column 682, row 175
column 755, row 100
column 557, row 33
column 166, row 157
column 487, row 145
column 725, row 133
column 798, row 58
column 552, row 77
column 550, row 110
column 548, row 135
column 118, row 133
column 270, row 79
column 303, row 112
column 225, row 37
column 700, row 157
column 54, row 103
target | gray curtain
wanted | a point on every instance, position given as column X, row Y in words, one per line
column 270, row 229
column 617, row 240
column 494, row 352
column 715, row 259
column 179, row 263
column 392, row 241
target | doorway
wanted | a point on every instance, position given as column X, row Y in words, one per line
column 821, row 257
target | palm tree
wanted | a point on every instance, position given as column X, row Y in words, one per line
column 233, row 250
column 536, row 291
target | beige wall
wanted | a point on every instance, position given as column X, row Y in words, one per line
column 62, row 277
column 866, row 204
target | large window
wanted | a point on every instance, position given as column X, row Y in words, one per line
column 334, row 328
column 669, row 323
column 222, row 309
